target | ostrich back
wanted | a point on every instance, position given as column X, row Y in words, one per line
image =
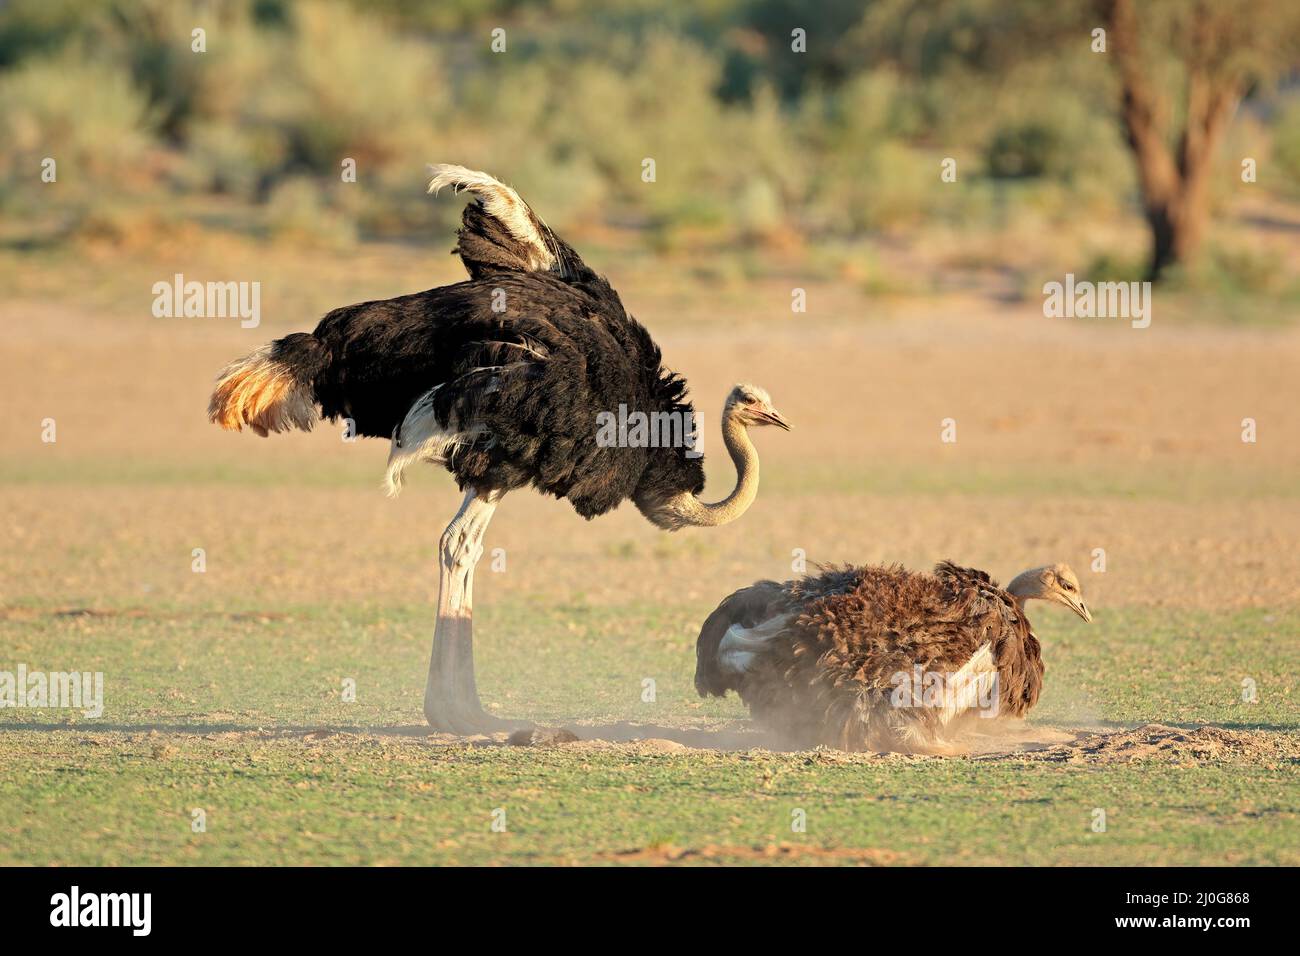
column 527, row 360
column 829, row 675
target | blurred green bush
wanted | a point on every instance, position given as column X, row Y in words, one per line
column 750, row 146
column 85, row 115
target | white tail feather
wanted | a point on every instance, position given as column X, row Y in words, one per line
column 963, row 689
column 421, row 437
column 740, row 645
column 502, row 203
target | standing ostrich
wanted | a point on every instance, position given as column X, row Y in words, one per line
column 880, row 657
column 502, row 380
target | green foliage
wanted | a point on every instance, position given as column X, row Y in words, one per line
column 1109, row 267
column 30, row 28
column 1240, row 285
column 355, row 89
column 1286, row 146
column 752, row 141
column 1025, row 150
column 85, row 115
column 298, row 211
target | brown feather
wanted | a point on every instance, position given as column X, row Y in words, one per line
column 826, row 678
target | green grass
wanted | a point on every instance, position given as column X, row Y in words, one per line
column 216, row 710
column 398, row 800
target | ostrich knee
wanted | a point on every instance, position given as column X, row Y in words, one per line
column 459, row 553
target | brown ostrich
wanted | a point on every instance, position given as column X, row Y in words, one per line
column 881, row 658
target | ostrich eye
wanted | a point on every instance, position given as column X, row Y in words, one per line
column 1067, row 585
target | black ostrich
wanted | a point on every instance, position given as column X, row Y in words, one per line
column 512, row 378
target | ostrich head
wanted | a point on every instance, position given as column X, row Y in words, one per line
column 750, row 406
column 746, row 406
column 1053, row 582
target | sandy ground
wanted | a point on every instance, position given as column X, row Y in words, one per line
column 1013, row 741
column 1071, row 436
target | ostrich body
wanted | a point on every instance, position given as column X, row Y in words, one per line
column 500, row 379
column 880, row 658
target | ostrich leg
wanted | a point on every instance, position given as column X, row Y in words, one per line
column 451, row 701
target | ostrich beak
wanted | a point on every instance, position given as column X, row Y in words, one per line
column 1078, row 607
column 770, row 416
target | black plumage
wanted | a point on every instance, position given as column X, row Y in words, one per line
column 530, row 356
column 535, row 375
column 504, row 380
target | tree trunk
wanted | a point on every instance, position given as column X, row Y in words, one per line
column 1175, row 189
column 1177, row 229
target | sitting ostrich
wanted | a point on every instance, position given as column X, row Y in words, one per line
column 880, row 658
column 503, row 381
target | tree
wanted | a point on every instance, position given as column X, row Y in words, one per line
column 1181, row 67
column 1224, row 48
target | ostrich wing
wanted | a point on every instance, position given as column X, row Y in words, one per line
column 853, row 647
column 455, row 416
column 738, row 627
column 961, row 577
column 1013, row 648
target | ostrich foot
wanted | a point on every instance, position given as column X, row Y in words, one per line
column 468, row 719
column 451, row 702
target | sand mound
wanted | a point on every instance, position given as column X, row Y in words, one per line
column 1002, row 740
column 1171, row 745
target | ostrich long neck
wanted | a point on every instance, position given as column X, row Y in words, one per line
column 1025, row 585
column 736, row 437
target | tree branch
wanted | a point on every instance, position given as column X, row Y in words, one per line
column 1140, row 108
